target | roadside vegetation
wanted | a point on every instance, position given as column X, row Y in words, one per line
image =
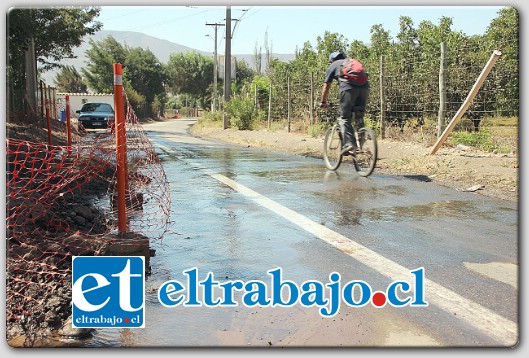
column 274, row 91
column 498, row 135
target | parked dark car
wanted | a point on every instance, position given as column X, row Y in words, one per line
column 96, row 115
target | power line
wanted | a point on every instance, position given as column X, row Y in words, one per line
column 169, row 21
column 123, row 15
column 255, row 12
column 239, row 20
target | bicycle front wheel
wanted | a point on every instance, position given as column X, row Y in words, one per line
column 365, row 159
column 332, row 148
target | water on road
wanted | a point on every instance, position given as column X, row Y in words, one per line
column 240, row 212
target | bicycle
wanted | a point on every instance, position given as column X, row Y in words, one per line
column 364, row 158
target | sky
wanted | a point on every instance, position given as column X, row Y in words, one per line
column 287, row 27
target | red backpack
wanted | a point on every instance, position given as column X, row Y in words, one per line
column 353, row 71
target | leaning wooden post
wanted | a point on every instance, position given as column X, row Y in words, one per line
column 473, row 92
column 121, row 147
column 68, row 125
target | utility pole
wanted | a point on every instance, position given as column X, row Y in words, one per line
column 215, row 68
column 227, row 64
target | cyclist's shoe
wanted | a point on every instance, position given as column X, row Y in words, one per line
column 349, row 149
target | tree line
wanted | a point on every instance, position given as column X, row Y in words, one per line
column 411, row 69
column 411, row 60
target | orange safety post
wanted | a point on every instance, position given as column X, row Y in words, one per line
column 68, row 126
column 48, row 121
column 121, row 146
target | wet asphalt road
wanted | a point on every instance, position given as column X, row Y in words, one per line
column 239, row 212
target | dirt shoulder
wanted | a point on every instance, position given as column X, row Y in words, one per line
column 462, row 168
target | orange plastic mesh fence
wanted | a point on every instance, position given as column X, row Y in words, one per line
column 61, row 203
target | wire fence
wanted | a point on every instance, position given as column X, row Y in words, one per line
column 405, row 92
column 61, row 203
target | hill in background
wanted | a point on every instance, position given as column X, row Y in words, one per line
column 162, row 49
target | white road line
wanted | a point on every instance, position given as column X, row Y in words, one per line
column 489, row 323
column 500, row 271
column 481, row 318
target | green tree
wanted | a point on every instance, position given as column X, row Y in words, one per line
column 146, row 75
column 190, row 73
column 504, row 34
column 261, row 85
column 331, row 42
column 70, row 80
column 405, row 52
column 407, row 47
column 136, row 100
column 307, row 55
column 381, row 43
column 244, row 73
column 430, row 37
column 56, row 32
column 425, row 74
column 101, row 57
column 159, row 103
column 360, row 50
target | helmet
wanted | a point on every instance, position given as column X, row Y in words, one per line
column 336, row 56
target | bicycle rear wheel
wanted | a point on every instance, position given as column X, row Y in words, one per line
column 332, row 148
column 365, row 158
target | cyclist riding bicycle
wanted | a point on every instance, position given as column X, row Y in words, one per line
column 353, row 100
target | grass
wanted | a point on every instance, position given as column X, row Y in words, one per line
column 210, row 120
column 495, row 134
column 317, row 130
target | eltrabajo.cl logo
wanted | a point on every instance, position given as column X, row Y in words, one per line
column 108, row 292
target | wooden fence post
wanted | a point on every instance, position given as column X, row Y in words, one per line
column 68, row 125
column 382, row 99
column 473, row 92
column 442, row 92
column 255, row 94
column 269, row 104
column 311, row 100
column 48, row 120
column 42, row 107
column 288, row 102
column 55, row 113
